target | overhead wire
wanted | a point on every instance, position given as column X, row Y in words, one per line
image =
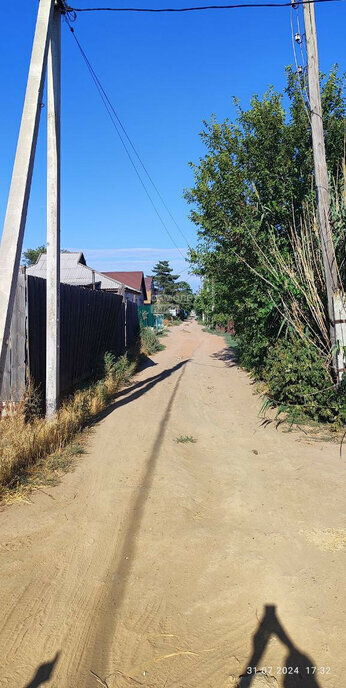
column 160, row 10
column 144, row 166
column 304, row 59
column 115, row 121
column 70, row 15
column 302, row 89
column 301, row 42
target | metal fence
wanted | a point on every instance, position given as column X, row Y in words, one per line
column 13, row 385
column 91, row 324
column 132, row 323
column 147, row 317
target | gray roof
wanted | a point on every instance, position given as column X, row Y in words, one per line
column 73, row 270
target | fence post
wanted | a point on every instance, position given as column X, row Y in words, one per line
column 125, row 304
column 340, row 333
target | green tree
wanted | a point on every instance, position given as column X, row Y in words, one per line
column 253, row 184
column 184, row 296
column 164, row 279
column 31, row 255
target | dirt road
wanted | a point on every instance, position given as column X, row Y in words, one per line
column 165, row 564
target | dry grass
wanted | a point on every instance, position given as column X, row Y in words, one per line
column 45, row 473
column 24, row 443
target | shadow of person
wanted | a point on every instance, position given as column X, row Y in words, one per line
column 43, row 673
column 297, row 666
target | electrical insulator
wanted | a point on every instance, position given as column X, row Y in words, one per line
column 294, row 5
column 297, row 38
column 300, row 69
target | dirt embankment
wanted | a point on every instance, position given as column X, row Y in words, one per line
column 179, row 564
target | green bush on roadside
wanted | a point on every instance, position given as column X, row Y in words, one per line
column 150, row 343
column 297, row 376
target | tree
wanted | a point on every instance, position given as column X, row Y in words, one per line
column 169, row 292
column 184, row 296
column 164, row 279
column 251, row 188
column 31, row 255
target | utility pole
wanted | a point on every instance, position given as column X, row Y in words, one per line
column 17, row 205
column 322, row 185
column 53, row 217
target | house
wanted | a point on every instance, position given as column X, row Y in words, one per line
column 150, row 290
column 134, row 284
column 75, row 271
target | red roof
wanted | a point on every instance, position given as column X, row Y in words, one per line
column 148, row 283
column 134, row 280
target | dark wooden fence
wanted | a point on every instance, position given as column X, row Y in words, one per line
column 91, row 324
column 132, row 323
column 13, row 385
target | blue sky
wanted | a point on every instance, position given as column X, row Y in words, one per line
column 164, row 74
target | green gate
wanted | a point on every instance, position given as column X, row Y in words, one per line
column 147, row 317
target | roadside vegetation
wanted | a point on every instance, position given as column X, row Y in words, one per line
column 31, row 444
column 150, row 342
column 186, row 439
column 173, row 299
column 259, row 250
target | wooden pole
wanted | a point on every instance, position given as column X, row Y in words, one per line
column 18, row 198
column 53, row 217
column 321, row 175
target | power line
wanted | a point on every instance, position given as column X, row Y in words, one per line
column 156, row 10
column 114, row 119
column 301, row 86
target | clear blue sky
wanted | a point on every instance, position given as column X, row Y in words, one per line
column 165, row 74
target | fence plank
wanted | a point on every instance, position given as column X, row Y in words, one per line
column 92, row 323
column 13, row 386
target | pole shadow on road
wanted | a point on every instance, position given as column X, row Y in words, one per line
column 128, row 394
column 43, row 673
column 126, row 556
column 298, row 668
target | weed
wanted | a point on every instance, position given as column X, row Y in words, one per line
column 150, row 343
column 46, row 472
column 76, row 449
column 26, row 439
column 185, row 439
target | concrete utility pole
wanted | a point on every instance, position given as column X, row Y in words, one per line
column 321, row 178
column 53, row 217
column 17, row 206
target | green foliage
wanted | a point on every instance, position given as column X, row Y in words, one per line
column 109, row 364
column 164, row 279
column 169, row 292
column 150, row 343
column 31, row 255
column 186, row 439
column 220, row 319
column 183, row 296
column 254, row 183
column 297, row 377
column 213, row 301
column 117, row 368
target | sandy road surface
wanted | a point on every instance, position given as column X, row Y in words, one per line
column 178, row 565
